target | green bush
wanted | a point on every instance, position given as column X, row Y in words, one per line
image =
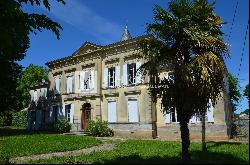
column 99, row 128
column 20, row 119
column 62, row 126
column 3, row 120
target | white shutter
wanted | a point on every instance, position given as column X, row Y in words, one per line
column 67, row 85
column 73, row 84
column 125, row 76
column 210, row 112
column 72, row 110
column 193, row 119
column 117, row 76
column 92, row 84
column 138, row 74
column 167, row 117
column 95, row 82
column 105, row 78
column 133, row 111
column 82, row 74
column 111, row 111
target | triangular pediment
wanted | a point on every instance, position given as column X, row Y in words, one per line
column 87, row 47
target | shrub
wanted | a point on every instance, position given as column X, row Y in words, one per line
column 20, row 119
column 99, row 128
column 62, row 126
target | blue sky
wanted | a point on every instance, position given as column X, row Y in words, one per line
column 102, row 22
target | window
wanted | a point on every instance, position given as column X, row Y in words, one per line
column 131, row 73
column 174, row 117
column 111, row 77
column 69, row 85
column 87, row 80
column 67, row 112
column 171, row 117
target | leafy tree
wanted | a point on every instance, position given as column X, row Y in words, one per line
column 234, row 92
column 188, row 42
column 16, row 25
column 246, row 92
column 32, row 75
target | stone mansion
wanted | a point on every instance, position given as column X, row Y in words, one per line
column 101, row 82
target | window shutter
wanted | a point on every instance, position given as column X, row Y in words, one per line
column 70, row 84
column 82, row 74
column 133, row 113
column 117, row 76
column 210, row 112
column 112, row 111
column 73, row 84
column 125, row 75
column 193, row 119
column 138, row 73
column 167, row 117
column 59, row 84
column 92, row 86
column 62, row 111
column 105, row 78
column 95, row 82
column 72, row 113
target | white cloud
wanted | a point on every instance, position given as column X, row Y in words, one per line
column 83, row 18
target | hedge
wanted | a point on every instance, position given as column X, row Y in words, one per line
column 20, row 119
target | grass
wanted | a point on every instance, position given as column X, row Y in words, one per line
column 19, row 142
column 160, row 152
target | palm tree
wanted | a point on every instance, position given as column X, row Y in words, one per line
column 187, row 40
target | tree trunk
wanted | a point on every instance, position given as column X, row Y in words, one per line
column 185, row 141
column 203, row 146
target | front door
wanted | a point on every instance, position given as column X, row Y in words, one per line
column 86, row 115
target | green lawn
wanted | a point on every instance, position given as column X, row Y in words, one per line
column 155, row 152
column 19, row 142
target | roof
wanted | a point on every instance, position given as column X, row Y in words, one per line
column 93, row 47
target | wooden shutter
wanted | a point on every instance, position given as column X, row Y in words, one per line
column 73, row 83
column 112, row 111
column 210, row 112
column 133, row 114
column 72, row 113
column 138, row 78
column 117, row 76
column 125, row 75
column 105, row 78
column 82, row 74
column 95, row 82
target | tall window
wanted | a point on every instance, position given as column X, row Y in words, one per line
column 69, row 85
column 111, row 77
column 87, row 80
column 131, row 73
column 174, row 117
column 67, row 111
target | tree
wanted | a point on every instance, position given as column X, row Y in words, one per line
column 246, row 92
column 234, row 91
column 32, row 75
column 16, row 25
column 188, row 42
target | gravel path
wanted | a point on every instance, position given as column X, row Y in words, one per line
column 103, row 147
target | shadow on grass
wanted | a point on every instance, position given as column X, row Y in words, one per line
column 198, row 157
column 7, row 131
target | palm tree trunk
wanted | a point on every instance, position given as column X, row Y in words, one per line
column 203, row 148
column 185, row 141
